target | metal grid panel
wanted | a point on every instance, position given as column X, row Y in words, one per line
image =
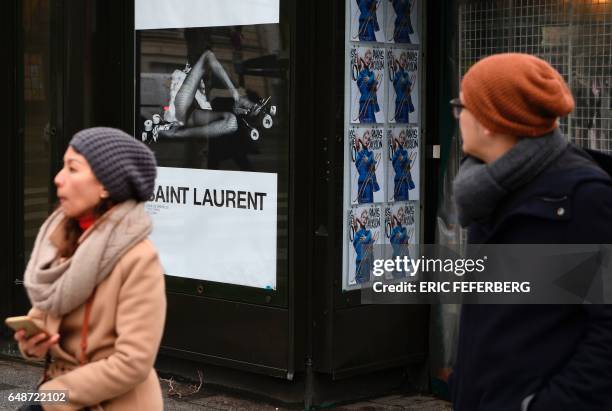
column 574, row 36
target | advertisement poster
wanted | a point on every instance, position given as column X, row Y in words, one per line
column 215, row 98
column 403, row 180
column 402, row 22
column 403, row 68
column 216, row 225
column 400, row 233
column 367, row 170
column 367, row 20
column 367, row 74
column 212, row 102
column 161, row 14
column 365, row 230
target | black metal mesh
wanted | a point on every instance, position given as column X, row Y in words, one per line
column 574, row 36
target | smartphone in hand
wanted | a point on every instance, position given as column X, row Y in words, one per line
column 24, row 323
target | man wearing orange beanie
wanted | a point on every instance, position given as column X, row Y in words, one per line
column 523, row 183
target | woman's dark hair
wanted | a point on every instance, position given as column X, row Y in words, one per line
column 72, row 229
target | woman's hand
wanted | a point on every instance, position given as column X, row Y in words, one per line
column 37, row 345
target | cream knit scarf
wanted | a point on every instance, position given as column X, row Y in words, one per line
column 59, row 287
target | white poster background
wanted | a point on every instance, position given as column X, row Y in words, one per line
column 176, row 14
column 222, row 244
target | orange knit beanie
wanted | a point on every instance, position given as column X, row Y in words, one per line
column 516, row 94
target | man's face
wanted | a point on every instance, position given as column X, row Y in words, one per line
column 472, row 133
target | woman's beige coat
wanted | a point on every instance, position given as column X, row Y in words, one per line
column 125, row 330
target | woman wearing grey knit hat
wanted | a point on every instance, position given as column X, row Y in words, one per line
column 94, row 279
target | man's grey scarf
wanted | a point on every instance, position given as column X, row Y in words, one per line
column 57, row 286
column 479, row 187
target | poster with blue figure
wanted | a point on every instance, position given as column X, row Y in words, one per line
column 367, row 77
column 365, row 241
column 368, row 175
column 400, row 236
column 403, row 179
column 401, row 24
column 403, row 67
column 367, row 19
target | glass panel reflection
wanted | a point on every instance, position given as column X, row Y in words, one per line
column 37, row 125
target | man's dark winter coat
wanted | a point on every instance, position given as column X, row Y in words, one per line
column 560, row 353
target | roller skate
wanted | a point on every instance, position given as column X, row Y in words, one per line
column 259, row 113
column 157, row 127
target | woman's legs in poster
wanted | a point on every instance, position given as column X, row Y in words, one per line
column 186, row 94
column 203, row 123
column 219, row 72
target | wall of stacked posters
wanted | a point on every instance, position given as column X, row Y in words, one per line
column 212, row 103
column 382, row 179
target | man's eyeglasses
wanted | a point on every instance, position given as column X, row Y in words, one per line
column 456, row 106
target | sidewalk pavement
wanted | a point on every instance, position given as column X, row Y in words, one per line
column 18, row 376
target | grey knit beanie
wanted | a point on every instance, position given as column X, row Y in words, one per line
column 124, row 165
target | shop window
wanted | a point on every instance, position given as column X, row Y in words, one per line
column 212, row 102
column 37, row 130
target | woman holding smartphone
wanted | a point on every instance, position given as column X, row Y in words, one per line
column 95, row 281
